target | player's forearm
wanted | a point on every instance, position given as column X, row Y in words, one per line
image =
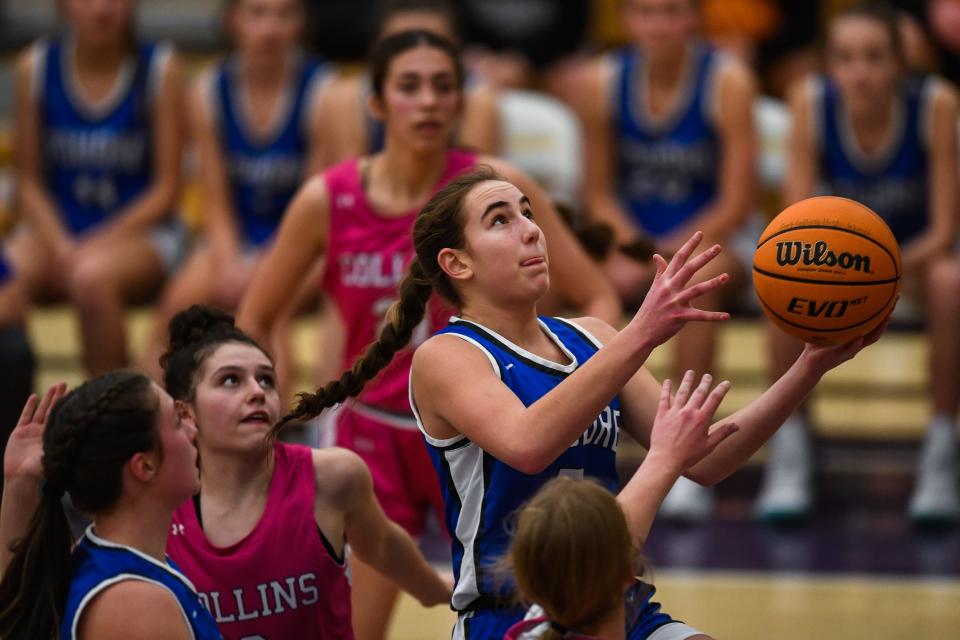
column 400, row 560
column 42, row 213
column 21, row 496
column 758, row 421
column 144, row 212
column 641, row 497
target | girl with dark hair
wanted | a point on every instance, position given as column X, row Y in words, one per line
column 264, row 539
column 353, row 127
column 127, row 458
column 360, row 213
column 98, row 132
column 256, row 122
column 507, row 400
column 870, row 131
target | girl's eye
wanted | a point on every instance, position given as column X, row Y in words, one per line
column 267, row 382
column 528, row 213
column 230, row 380
column 499, row 219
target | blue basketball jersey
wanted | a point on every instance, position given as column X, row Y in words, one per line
column 99, row 564
column 666, row 167
column 893, row 181
column 480, row 492
column 96, row 158
column 264, row 170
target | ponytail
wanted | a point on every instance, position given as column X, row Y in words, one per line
column 439, row 225
column 91, row 433
column 402, row 317
column 33, row 592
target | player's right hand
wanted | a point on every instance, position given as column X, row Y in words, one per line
column 667, row 306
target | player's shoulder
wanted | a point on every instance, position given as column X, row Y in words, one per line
column 594, row 328
column 448, row 353
column 159, row 615
column 339, row 473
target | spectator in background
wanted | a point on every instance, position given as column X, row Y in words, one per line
column 669, row 151
column 97, row 167
column 349, row 126
column 255, row 119
column 867, row 130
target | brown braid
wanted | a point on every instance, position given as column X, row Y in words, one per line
column 402, row 317
column 439, row 225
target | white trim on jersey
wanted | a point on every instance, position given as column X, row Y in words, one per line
column 577, row 327
column 674, row 631
column 71, row 83
column 121, row 577
column 438, row 442
column 570, row 367
column 159, row 63
column 114, row 545
column 460, row 629
column 931, row 87
column 466, row 475
column 282, row 109
column 869, row 162
column 682, row 98
column 38, row 60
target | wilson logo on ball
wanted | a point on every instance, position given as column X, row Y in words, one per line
column 819, row 254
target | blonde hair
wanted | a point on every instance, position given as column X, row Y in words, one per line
column 572, row 553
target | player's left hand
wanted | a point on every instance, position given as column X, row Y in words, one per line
column 823, row 358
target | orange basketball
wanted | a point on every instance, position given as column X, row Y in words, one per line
column 827, row 270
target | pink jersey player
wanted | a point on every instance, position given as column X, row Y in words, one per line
column 367, row 258
column 284, row 579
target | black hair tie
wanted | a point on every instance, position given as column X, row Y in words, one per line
column 559, row 628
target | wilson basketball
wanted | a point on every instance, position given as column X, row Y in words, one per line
column 827, row 270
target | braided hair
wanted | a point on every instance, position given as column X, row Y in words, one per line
column 91, row 434
column 439, row 225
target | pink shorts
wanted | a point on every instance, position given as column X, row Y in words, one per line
column 404, row 479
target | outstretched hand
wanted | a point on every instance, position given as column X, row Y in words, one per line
column 24, row 454
column 667, row 306
column 822, row 358
column 681, row 430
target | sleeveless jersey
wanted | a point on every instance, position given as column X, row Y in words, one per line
column 479, row 491
column 264, row 170
column 282, row 580
column 99, row 564
column 96, row 158
column 367, row 257
column 893, row 181
column 666, row 167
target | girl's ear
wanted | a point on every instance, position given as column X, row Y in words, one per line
column 375, row 107
column 144, row 466
column 455, row 263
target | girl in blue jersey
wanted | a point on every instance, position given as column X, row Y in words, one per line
column 97, row 137
column 508, row 400
column 670, row 149
column 866, row 130
column 255, row 119
column 120, row 448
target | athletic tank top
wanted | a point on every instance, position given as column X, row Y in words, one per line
column 99, row 564
column 96, row 158
column 667, row 167
column 367, row 257
column 894, row 180
column 480, row 492
column 283, row 579
column 266, row 169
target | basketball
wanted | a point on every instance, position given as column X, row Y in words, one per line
column 827, row 270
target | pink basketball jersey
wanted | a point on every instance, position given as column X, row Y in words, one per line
column 282, row 580
column 367, row 258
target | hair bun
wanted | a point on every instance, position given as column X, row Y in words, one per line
column 196, row 323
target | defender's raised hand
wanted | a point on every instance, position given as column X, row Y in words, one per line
column 667, row 306
column 681, row 430
column 24, row 452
